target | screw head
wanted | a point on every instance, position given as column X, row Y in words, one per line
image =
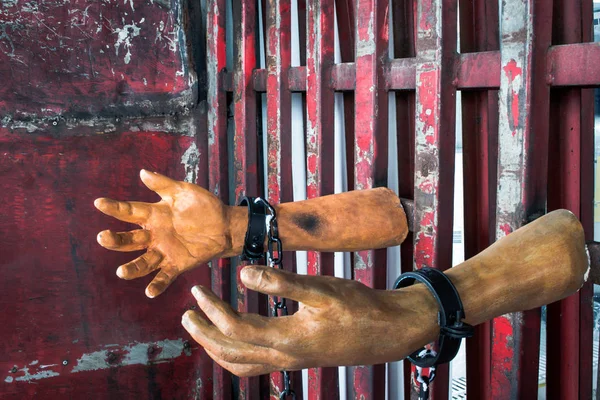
column 186, row 345
column 14, row 370
column 65, row 362
column 54, row 123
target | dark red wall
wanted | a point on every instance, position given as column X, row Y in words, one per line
column 78, row 122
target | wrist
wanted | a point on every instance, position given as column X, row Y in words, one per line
column 413, row 320
column 237, row 225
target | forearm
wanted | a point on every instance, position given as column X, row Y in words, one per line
column 351, row 221
column 541, row 263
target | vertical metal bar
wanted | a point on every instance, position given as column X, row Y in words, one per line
column 404, row 47
column 245, row 143
column 564, row 185
column 586, row 311
column 522, row 177
column 279, row 129
column 217, row 157
column 346, row 26
column 323, row 382
column 371, row 156
column 479, row 31
column 434, row 144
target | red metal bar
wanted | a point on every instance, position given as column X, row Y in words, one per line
column 574, row 64
column 522, row 177
column 323, row 382
column 279, row 132
column 476, row 70
column 370, row 155
column 479, row 70
column 434, row 144
column 586, row 293
column 244, row 143
column 564, row 192
column 217, row 158
column 401, row 73
column 404, row 23
column 479, row 32
column 343, row 77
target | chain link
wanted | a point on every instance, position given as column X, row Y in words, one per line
column 275, row 260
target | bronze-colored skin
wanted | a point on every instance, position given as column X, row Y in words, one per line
column 340, row 322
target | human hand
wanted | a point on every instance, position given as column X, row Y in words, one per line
column 340, row 322
column 188, row 227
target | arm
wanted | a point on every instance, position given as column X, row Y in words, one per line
column 351, row 221
column 190, row 226
column 343, row 322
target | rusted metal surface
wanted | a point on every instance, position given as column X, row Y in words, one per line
column 564, row 185
column 370, row 155
column 476, row 71
column 522, row 177
column 218, row 182
column 587, row 164
column 323, row 382
column 479, row 42
column 404, row 28
column 103, row 58
column 279, row 137
column 481, row 69
column 574, row 64
column 67, row 331
column 434, row 144
column 245, row 146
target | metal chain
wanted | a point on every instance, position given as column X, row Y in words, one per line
column 425, row 380
column 276, row 261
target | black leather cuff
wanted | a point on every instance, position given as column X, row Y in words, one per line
column 254, row 247
column 450, row 316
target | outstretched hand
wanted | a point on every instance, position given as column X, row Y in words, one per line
column 340, row 322
column 186, row 228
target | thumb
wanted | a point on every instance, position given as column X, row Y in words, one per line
column 162, row 185
column 309, row 290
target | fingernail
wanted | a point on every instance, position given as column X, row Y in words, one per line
column 249, row 273
column 97, row 203
column 196, row 292
column 121, row 275
column 149, row 294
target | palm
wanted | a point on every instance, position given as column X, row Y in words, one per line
column 186, row 228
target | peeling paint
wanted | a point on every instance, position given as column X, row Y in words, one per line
column 125, row 36
column 190, row 160
column 132, row 354
column 136, row 353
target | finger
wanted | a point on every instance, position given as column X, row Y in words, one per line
column 141, row 266
column 138, row 239
column 310, row 290
column 161, row 281
column 162, row 185
column 227, row 349
column 128, row 211
column 224, row 317
column 242, row 370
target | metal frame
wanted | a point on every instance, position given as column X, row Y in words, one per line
column 512, row 77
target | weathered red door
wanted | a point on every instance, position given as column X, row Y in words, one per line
column 91, row 92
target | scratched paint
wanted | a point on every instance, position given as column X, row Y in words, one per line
column 434, row 145
column 125, row 35
column 514, row 361
column 135, row 353
column 322, row 382
column 370, row 154
column 89, row 55
column 191, row 163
